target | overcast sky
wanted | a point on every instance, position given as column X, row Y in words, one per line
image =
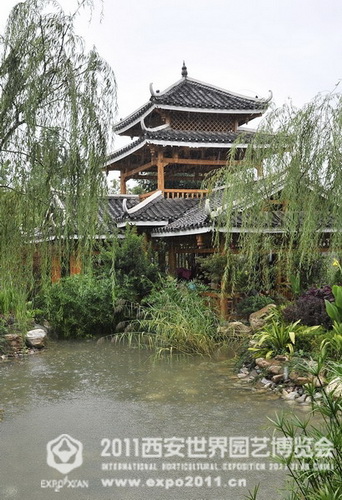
column 293, row 47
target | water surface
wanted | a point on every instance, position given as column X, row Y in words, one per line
column 114, row 400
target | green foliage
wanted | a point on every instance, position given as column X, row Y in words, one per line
column 278, row 337
column 3, row 331
column 131, row 264
column 213, row 266
column 333, row 340
column 248, row 305
column 95, row 302
column 82, row 305
column 233, row 277
column 311, row 481
column 177, row 318
column 56, row 107
column 300, row 191
column 9, row 300
column 335, row 309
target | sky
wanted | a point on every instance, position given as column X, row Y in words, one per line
column 292, row 47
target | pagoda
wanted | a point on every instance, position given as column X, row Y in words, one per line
column 178, row 137
column 181, row 134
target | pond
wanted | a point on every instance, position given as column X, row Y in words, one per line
column 105, row 422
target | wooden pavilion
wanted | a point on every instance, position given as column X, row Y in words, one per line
column 178, row 137
column 181, row 134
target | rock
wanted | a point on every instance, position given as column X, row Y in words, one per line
column 302, row 380
column 289, row 395
column 275, row 369
column 301, row 399
column 257, row 319
column 262, row 363
column 244, row 370
column 281, row 357
column 265, row 381
column 233, row 329
column 14, row 341
column 271, row 366
column 277, row 378
column 318, row 381
column 41, row 327
column 335, row 387
column 36, row 338
column 242, row 375
column 253, row 373
column 293, row 376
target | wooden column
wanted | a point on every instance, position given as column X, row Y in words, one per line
column 56, row 268
column 225, row 302
column 123, row 189
column 260, row 170
column 200, row 240
column 160, row 166
column 172, row 259
column 75, row 264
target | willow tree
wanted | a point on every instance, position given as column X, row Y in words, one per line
column 56, row 107
column 284, row 199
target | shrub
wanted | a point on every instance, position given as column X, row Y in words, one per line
column 277, row 337
column 177, row 318
column 131, row 264
column 82, row 305
column 213, row 266
column 333, row 340
column 310, row 308
column 248, row 305
column 314, row 477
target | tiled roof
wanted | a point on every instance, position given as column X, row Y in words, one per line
column 190, row 94
column 195, row 136
column 161, row 209
column 113, row 210
column 175, row 137
column 133, row 117
column 125, row 149
column 197, row 218
column 194, row 218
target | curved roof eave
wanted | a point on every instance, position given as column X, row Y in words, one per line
column 127, row 151
column 126, row 124
column 132, row 119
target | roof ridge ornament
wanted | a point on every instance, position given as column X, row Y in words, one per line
column 269, row 98
column 153, row 93
column 184, row 70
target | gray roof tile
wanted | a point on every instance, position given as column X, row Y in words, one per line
column 189, row 93
column 180, row 136
column 161, row 209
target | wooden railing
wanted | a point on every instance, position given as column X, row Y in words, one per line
column 179, row 193
column 185, row 193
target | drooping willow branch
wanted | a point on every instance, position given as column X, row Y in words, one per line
column 56, row 113
column 291, row 214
